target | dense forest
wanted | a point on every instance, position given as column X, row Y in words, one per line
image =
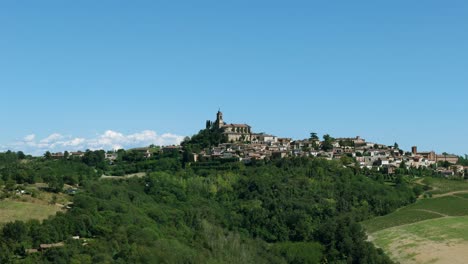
column 297, row 210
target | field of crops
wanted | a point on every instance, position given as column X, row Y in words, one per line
column 401, row 217
column 432, row 230
column 441, row 186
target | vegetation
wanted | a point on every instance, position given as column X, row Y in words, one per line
column 411, row 233
column 398, row 218
column 296, row 210
column 24, row 211
column 208, row 137
column 463, row 160
column 441, row 186
column 416, row 243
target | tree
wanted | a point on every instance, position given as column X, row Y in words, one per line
column 10, row 185
column 56, row 184
column 403, row 165
column 395, row 146
column 327, row 144
column 47, row 155
column 15, row 231
column 445, row 155
column 313, row 136
column 20, row 155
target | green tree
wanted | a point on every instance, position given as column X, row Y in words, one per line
column 21, row 155
column 55, row 184
column 445, row 156
column 16, row 231
column 47, row 155
column 327, row 143
column 313, row 136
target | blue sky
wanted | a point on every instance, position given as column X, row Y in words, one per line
column 154, row 71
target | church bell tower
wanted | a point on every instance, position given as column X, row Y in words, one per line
column 219, row 120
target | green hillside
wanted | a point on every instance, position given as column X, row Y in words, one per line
column 436, row 227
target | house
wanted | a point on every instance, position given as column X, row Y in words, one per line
column 445, row 172
column 458, row 169
column 356, row 141
column 453, row 159
column 279, row 154
column 390, row 168
column 145, row 151
column 57, row 155
column 382, row 162
column 79, row 154
column 111, row 156
column 262, row 137
column 43, row 247
column 284, row 141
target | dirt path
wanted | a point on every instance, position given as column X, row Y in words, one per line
column 419, row 182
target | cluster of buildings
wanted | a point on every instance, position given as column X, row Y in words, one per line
column 245, row 145
column 66, row 154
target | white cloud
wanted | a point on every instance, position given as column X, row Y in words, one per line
column 29, row 138
column 108, row 140
column 52, row 138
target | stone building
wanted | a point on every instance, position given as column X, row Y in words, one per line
column 233, row 132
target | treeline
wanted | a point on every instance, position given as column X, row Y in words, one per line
column 17, row 169
column 297, row 210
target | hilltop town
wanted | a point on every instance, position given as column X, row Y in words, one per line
column 238, row 142
column 242, row 144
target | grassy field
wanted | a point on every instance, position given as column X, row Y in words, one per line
column 432, row 230
column 441, row 240
column 401, row 217
column 447, row 205
column 36, row 206
column 441, row 186
column 421, row 210
column 11, row 210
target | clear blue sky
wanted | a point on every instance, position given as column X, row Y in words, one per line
column 386, row 70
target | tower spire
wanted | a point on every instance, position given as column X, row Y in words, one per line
column 219, row 119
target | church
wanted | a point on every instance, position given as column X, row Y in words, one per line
column 233, row 132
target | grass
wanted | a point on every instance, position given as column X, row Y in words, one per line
column 432, row 230
column 441, row 186
column 448, row 229
column 425, row 209
column 447, row 205
column 462, row 195
column 35, row 205
column 401, row 217
column 435, row 241
column 15, row 210
column 421, row 210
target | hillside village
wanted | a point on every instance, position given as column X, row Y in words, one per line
column 242, row 144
